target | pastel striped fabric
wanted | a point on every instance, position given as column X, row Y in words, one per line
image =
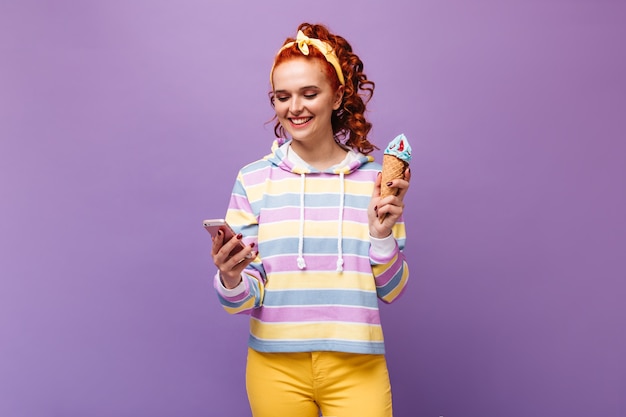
column 316, row 308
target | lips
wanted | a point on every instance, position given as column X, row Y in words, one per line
column 300, row 121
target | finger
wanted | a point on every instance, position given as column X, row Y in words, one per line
column 403, row 185
column 233, row 269
column 228, row 246
column 218, row 241
column 403, row 188
column 390, row 212
column 238, row 262
column 402, row 182
column 386, row 205
column 377, row 181
column 234, row 243
column 245, row 259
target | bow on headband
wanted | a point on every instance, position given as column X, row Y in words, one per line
column 303, row 43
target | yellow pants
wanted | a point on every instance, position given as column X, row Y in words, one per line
column 304, row 384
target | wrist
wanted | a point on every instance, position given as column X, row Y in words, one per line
column 231, row 283
column 380, row 235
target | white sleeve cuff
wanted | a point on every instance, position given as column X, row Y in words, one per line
column 384, row 247
column 230, row 292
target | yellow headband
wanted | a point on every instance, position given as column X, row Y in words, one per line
column 303, row 43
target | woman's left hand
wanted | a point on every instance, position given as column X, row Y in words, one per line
column 390, row 207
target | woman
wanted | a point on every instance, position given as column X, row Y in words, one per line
column 309, row 214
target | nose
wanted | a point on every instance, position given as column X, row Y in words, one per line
column 295, row 106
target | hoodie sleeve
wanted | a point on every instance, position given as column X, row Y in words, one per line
column 249, row 294
column 390, row 269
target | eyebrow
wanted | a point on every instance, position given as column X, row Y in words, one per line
column 308, row 87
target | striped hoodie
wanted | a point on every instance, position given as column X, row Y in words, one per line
column 316, row 281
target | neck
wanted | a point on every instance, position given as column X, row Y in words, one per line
column 319, row 155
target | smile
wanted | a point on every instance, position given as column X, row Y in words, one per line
column 300, row 121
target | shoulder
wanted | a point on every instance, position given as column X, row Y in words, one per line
column 371, row 166
column 257, row 172
column 367, row 171
column 258, row 165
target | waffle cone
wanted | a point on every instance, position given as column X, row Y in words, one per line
column 392, row 168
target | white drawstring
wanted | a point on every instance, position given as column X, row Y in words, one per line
column 340, row 225
column 300, row 261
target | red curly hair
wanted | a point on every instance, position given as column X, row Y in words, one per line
column 348, row 122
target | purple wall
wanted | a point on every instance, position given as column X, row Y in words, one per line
column 123, row 124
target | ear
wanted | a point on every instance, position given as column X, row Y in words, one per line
column 338, row 97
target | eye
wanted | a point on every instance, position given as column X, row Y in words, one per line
column 310, row 95
column 282, row 98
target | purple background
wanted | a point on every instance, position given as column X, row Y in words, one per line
column 123, row 124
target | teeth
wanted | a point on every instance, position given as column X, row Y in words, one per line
column 300, row 121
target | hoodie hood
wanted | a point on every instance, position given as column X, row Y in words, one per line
column 280, row 158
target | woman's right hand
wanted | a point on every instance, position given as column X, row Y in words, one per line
column 230, row 267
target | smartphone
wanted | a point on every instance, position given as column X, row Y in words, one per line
column 213, row 225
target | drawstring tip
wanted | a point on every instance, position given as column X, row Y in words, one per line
column 339, row 265
column 301, row 264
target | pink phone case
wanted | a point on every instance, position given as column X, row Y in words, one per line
column 212, row 226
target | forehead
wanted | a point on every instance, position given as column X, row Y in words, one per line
column 299, row 72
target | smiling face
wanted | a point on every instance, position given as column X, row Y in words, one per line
column 304, row 100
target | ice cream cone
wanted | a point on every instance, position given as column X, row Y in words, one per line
column 395, row 162
column 392, row 168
